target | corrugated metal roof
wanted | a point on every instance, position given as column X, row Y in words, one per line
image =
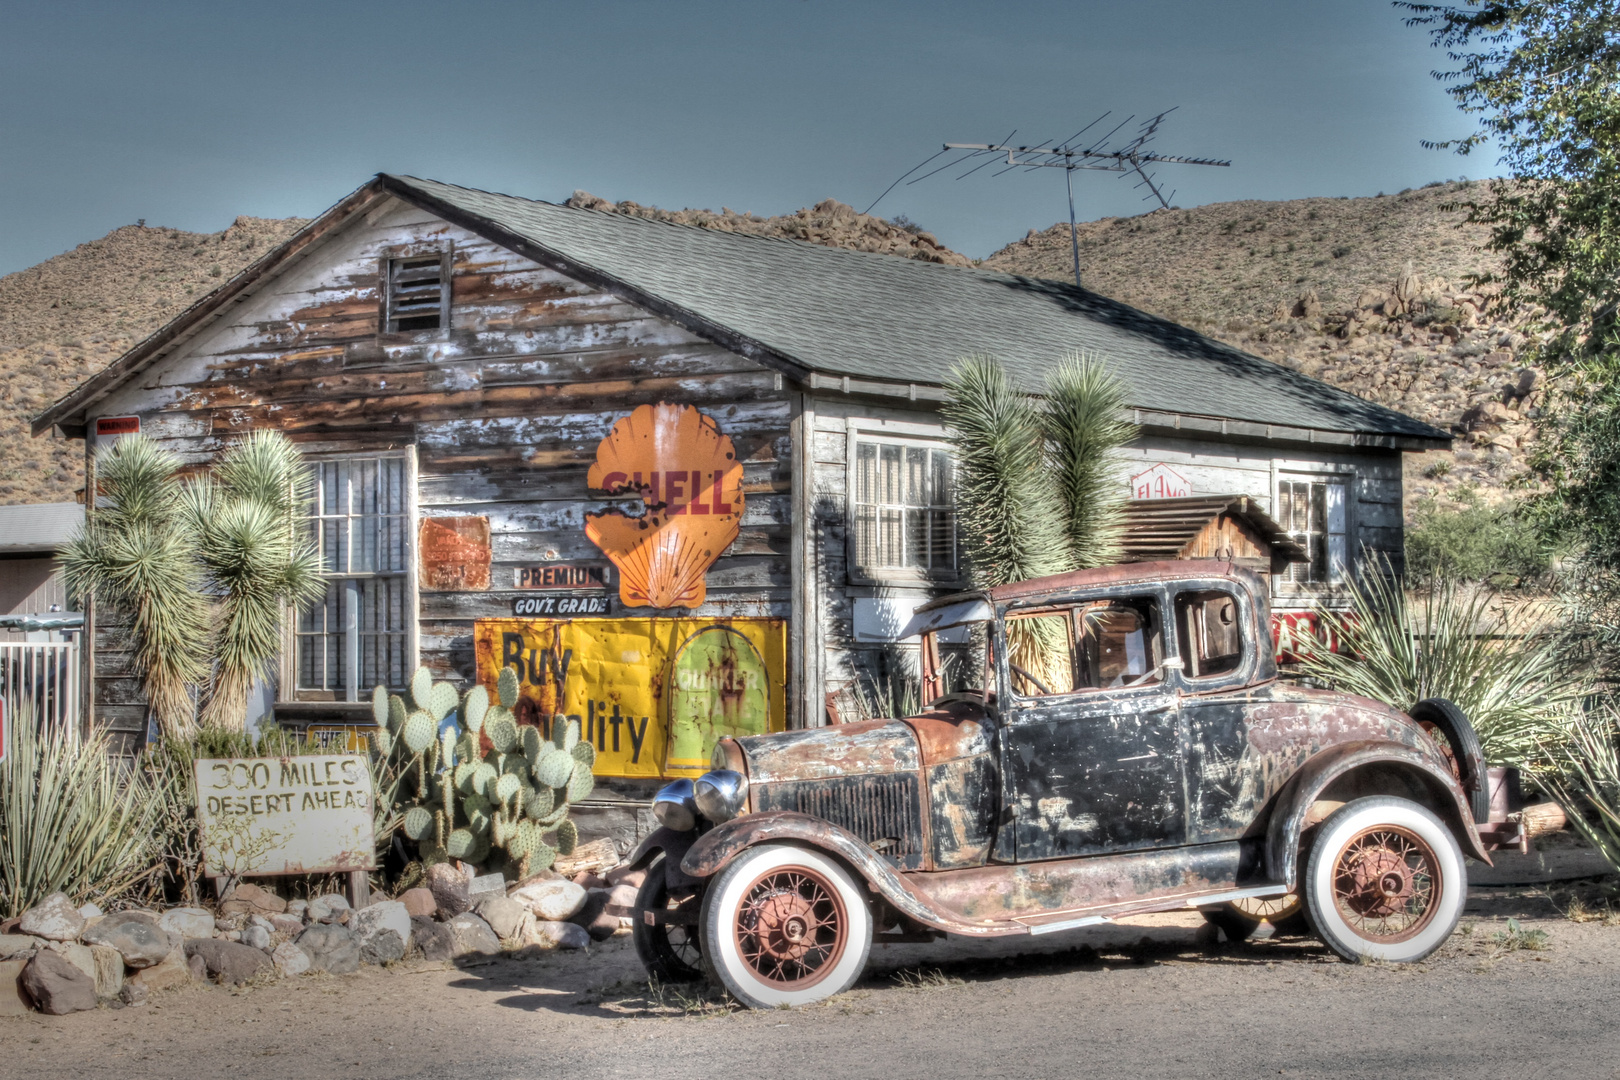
column 879, row 317
column 1162, row 528
column 40, row 527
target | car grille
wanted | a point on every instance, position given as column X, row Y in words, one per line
column 883, row 811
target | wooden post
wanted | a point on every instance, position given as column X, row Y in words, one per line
column 359, row 889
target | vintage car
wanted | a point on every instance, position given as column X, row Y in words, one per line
column 1098, row 744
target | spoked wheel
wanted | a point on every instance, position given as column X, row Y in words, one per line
column 1239, row 919
column 784, row 925
column 1385, row 880
column 669, row 951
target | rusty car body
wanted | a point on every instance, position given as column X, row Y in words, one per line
column 1098, row 744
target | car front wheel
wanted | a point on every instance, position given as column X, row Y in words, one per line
column 784, row 925
column 1385, row 880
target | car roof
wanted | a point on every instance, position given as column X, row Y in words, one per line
column 1123, row 574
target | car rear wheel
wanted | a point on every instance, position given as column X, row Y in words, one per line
column 1239, row 919
column 669, row 951
column 1385, row 880
column 785, row 925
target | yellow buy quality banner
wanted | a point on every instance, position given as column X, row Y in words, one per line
column 652, row 694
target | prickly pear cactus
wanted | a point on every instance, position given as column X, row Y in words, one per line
column 476, row 783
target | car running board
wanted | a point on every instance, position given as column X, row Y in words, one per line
column 1055, row 922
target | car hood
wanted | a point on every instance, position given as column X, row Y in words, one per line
column 873, row 746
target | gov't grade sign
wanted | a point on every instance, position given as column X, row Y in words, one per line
column 293, row 815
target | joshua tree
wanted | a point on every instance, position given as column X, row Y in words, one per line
column 1084, row 434
column 137, row 554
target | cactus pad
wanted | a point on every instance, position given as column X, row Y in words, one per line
column 565, row 735
column 506, row 688
column 506, row 787
column 539, row 804
column 461, row 844
column 421, row 688
column 474, row 708
column 379, row 706
column 532, row 743
column 524, row 840
column 484, row 775
column 502, row 733
column 584, row 753
column 397, row 712
column 419, row 731
column 418, row 822
column 581, row 783
column 384, row 741
column 567, row 837
column 554, row 769
column 442, row 700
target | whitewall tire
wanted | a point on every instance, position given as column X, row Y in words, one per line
column 1385, row 880
column 784, row 926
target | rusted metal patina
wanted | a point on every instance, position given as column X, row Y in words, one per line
column 1168, row 767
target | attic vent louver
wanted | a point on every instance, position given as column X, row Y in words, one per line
column 418, row 294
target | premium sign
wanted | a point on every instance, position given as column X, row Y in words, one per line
column 653, row 695
column 293, row 815
column 560, row 576
column 690, row 483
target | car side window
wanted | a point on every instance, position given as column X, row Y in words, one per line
column 1211, row 636
column 1101, row 645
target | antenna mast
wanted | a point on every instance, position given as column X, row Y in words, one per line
column 1071, row 154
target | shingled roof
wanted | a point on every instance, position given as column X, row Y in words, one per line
column 834, row 317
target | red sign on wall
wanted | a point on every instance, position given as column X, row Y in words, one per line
column 1300, row 632
column 117, row 425
column 1160, row 482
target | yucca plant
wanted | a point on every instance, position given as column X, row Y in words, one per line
column 1008, row 514
column 1084, row 434
column 72, row 819
column 257, row 561
column 1517, row 691
column 1580, row 767
column 136, row 555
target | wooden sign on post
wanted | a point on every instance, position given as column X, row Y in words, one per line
column 293, row 815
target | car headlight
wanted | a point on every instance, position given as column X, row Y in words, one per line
column 721, row 794
column 674, row 807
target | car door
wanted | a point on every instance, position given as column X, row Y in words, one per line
column 1092, row 760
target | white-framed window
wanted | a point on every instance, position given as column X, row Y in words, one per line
column 902, row 510
column 1312, row 509
column 361, row 633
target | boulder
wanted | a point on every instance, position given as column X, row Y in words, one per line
column 174, row 971
column 228, row 961
column 140, row 938
column 290, row 925
column 290, row 959
column 563, row 935
column 449, row 888
column 196, row 970
column 327, row 909
column 256, row 937
column 585, row 879
column 297, row 908
column 53, row 918
column 419, row 902
column 78, row 955
column 385, row 916
column 551, row 901
column 14, row 1000
column 331, row 948
column 134, row 993
column 485, row 885
column 187, row 922
column 382, row 947
column 433, row 938
column 624, row 875
column 473, row 935
column 621, row 899
column 504, row 916
column 91, row 911
column 594, row 917
column 250, row 899
column 109, row 975
column 55, row 985
column 18, row 946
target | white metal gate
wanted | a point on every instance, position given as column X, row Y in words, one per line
column 42, row 677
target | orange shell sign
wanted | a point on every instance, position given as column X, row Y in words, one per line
column 690, row 480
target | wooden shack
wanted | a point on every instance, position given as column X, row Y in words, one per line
column 504, row 399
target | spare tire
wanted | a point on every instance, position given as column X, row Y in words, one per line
column 1451, row 722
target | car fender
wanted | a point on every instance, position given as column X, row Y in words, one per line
column 674, row 846
column 720, row 845
column 1294, row 802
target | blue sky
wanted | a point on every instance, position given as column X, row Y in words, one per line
column 188, row 114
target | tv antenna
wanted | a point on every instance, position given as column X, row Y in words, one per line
column 1069, row 155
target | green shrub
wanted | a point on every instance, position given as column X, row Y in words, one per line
column 1580, row 768
column 1474, row 542
column 71, row 820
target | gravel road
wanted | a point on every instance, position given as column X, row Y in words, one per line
column 1153, row 998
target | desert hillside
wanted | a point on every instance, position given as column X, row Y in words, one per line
column 1368, row 294
column 70, row 316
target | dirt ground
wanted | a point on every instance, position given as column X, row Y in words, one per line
column 1152, row 998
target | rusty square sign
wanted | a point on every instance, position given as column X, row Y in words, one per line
column 294, row 815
